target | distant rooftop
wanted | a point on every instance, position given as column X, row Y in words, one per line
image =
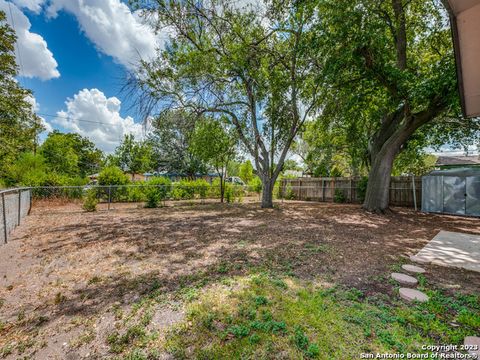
column 458, row 160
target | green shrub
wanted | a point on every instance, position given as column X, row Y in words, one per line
column 229, row 194
column 202, row 188
column 339, row 196
column 239, row 193
column 77, row 192
column 255, row 185
column 156, row 191
column 136, row 193
column 49, row 185
column 232, row 193
column 32, row 170
column 276, row 193
column 362, row 188
column 113, row 176
column 28, row 170
column 214, row 191
column 90, row 202
column 183, row 190
column 289, row 194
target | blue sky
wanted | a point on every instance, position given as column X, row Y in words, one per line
column 74, row 56
column 80, row 64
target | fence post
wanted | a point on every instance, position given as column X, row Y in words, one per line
column 351, row 190
column 333, row 182
column 414, row 192
column 109, row 196
column 301, row 192
column 4, row 218
column 323, row 190
column 30, row 205
column 19, row 206
column 283, row 189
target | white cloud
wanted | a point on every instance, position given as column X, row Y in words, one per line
column 48, row 127
column 112, row 27
column 90, row 113
column 33, row 56
column 32, row 101
column 32, row 5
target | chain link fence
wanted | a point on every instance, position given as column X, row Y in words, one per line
column 15, row 204
column 109, row 194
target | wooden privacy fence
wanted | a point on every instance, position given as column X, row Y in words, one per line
column 348, row 190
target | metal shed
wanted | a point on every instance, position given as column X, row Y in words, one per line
column 454, row 191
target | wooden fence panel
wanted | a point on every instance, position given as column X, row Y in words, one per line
column 347, row 190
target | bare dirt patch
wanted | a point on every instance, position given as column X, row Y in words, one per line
column 66, row 274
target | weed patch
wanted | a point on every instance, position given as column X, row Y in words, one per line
column 258, row 316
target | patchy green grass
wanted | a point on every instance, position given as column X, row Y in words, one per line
column 132, row 332
column 257, row 316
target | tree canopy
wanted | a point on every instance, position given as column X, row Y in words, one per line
column 19, row 126
column 134, row 156
column 245, row 171
column 390, row 70
column 171, row 139
column 215, row 144
column 254, row 66
column 71, row 154
column 62, row 159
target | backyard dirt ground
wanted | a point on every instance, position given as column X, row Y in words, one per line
column 66, row 274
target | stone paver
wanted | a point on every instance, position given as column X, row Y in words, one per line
column 413, row 269
column 404, row 279
column 474, row 342
column 413, row 295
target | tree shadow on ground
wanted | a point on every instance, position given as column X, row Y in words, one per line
column 135, row 252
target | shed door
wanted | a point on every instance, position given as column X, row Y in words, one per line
column 473, row 196
column 432, row 194
column 454, row 191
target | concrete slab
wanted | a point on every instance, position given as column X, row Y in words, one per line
column 454, row 250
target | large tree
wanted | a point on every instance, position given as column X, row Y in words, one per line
column 171, row 138
column 331, row 146
column 253, row 65
column 19, row 126
column 216, row 145
column 134, row 156
column 70, row 154
column 391, row 60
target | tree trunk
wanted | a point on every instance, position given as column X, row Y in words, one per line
column 267, row 192
column 377, row 197
column 222, row 189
